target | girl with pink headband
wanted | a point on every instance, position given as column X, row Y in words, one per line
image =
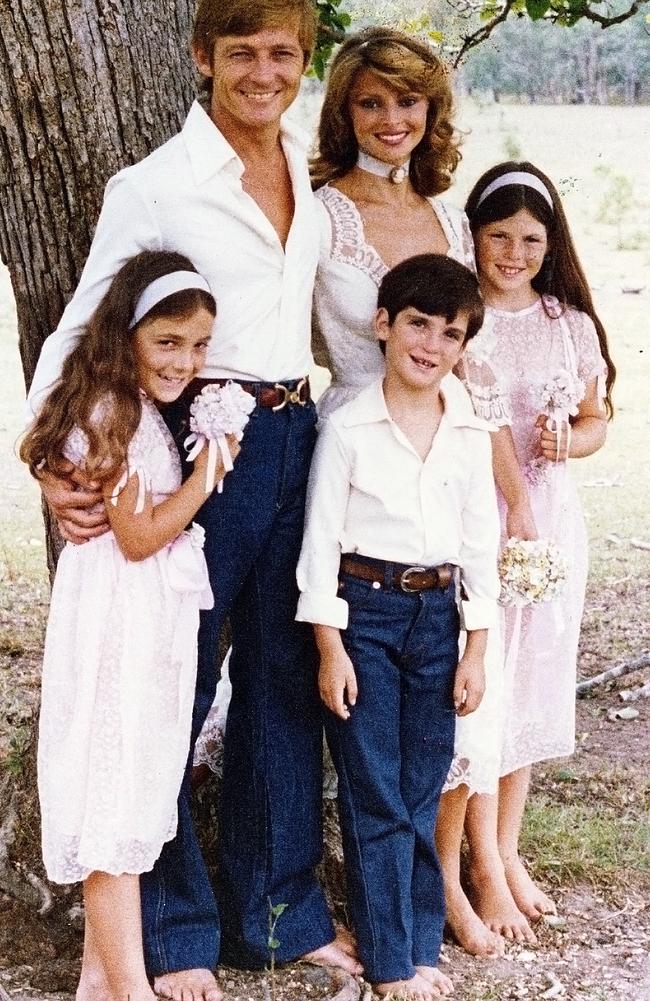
column 120, row 651
column 547, row 347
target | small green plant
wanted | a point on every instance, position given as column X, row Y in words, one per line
column 616, row 202
column 275, row 913
column 18, row 744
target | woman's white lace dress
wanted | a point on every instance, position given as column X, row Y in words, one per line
column 345, row 301
column 532, row 352
column 119, row 674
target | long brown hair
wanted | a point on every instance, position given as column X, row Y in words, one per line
column 98, row 391
column 405, row 64
column 562, row 274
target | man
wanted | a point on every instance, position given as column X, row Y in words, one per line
column 231, row 191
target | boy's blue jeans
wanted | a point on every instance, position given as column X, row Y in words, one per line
column 392, row 757
column 270, row 825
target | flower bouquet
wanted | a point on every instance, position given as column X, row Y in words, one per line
column 216, row 412
column 531, row 571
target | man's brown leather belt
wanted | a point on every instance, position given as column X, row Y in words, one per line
column 398, row 575
column 267, row 394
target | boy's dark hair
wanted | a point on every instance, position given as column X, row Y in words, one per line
column 433, row 284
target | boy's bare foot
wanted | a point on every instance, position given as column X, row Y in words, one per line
column 468, row 930
column 528, row 897
column 334, row 954
column 188, row 985
column 495, row 906
column 440, row 983
column 415, row 989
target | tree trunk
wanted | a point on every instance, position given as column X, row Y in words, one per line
column 86, row 87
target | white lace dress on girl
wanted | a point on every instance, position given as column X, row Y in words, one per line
column 533, row 351
column 345, row 301
column 119, row 675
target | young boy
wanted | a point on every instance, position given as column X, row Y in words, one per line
column 400, row 495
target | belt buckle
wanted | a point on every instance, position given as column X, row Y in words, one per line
column 405, row 577
column 290, row 395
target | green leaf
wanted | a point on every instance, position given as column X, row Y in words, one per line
column 537, row 8
column 274, row 943
column 278, row 910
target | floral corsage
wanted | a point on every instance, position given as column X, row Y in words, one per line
column 531, row 571
column 216, row 412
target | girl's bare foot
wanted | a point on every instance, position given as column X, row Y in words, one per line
column 418, row 988
column 495, row 906
column 528, row 897
column 440, row 983
column 188, row 985
column 93, row 985
column 467, row 928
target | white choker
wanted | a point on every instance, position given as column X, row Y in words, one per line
column 381, row 169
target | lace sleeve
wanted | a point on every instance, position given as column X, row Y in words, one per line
column 591, row 364
column 479, row 378
column 469, row 259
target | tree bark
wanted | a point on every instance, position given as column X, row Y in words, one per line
column 86, row 87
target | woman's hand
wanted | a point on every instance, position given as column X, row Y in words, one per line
column 554, row 439
column 77, row 504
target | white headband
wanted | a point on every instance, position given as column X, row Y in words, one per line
column 175, row 281
column 517, row 177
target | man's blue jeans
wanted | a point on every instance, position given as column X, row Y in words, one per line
column 392, row 757
column 270, row 827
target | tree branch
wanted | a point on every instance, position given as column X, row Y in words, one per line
column 627, row 667
column 482, row 33
column 607, row 22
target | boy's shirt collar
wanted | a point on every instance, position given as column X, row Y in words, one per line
column 369, row 407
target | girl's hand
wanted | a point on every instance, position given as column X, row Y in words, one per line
column 469, row 684
column 554, row 444
column 520, row 522
column 335, row 677
column 201, row 461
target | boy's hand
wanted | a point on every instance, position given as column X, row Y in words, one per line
column 335, row 677
column 469, row 684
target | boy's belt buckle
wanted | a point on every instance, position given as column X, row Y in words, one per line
column 405, row 577
column 290, row 395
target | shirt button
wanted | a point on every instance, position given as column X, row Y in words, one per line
column 376, row 585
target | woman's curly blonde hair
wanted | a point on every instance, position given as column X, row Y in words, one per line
column 405, row 64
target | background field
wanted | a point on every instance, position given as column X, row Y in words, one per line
column 587, row 830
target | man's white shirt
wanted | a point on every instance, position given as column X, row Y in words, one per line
column 371, row 493
column 188, row 196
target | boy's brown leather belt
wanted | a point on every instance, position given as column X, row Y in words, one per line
column 276, row 396
column 401, row 575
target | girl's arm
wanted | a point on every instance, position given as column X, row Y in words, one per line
column 142, row 535
column 520, row 523
column 584, row 435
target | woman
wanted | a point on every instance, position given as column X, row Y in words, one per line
column 387, row 150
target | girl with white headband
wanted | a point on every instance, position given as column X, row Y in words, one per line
column 120, row 651
column 545, row 343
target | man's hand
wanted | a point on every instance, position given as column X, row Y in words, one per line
column 77, row 504
column 469, row 685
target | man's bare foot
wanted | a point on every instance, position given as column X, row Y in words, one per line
column 493, row 902
column 442, row 984
column 334, row 954
column 346, row 941
column 467, row 928
column 188, row 985
column 415, row 989
column 528, row 897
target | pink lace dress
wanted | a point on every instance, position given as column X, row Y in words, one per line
column 118, row 685
column 532, row 353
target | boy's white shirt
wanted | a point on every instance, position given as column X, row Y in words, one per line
column 370, row 493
